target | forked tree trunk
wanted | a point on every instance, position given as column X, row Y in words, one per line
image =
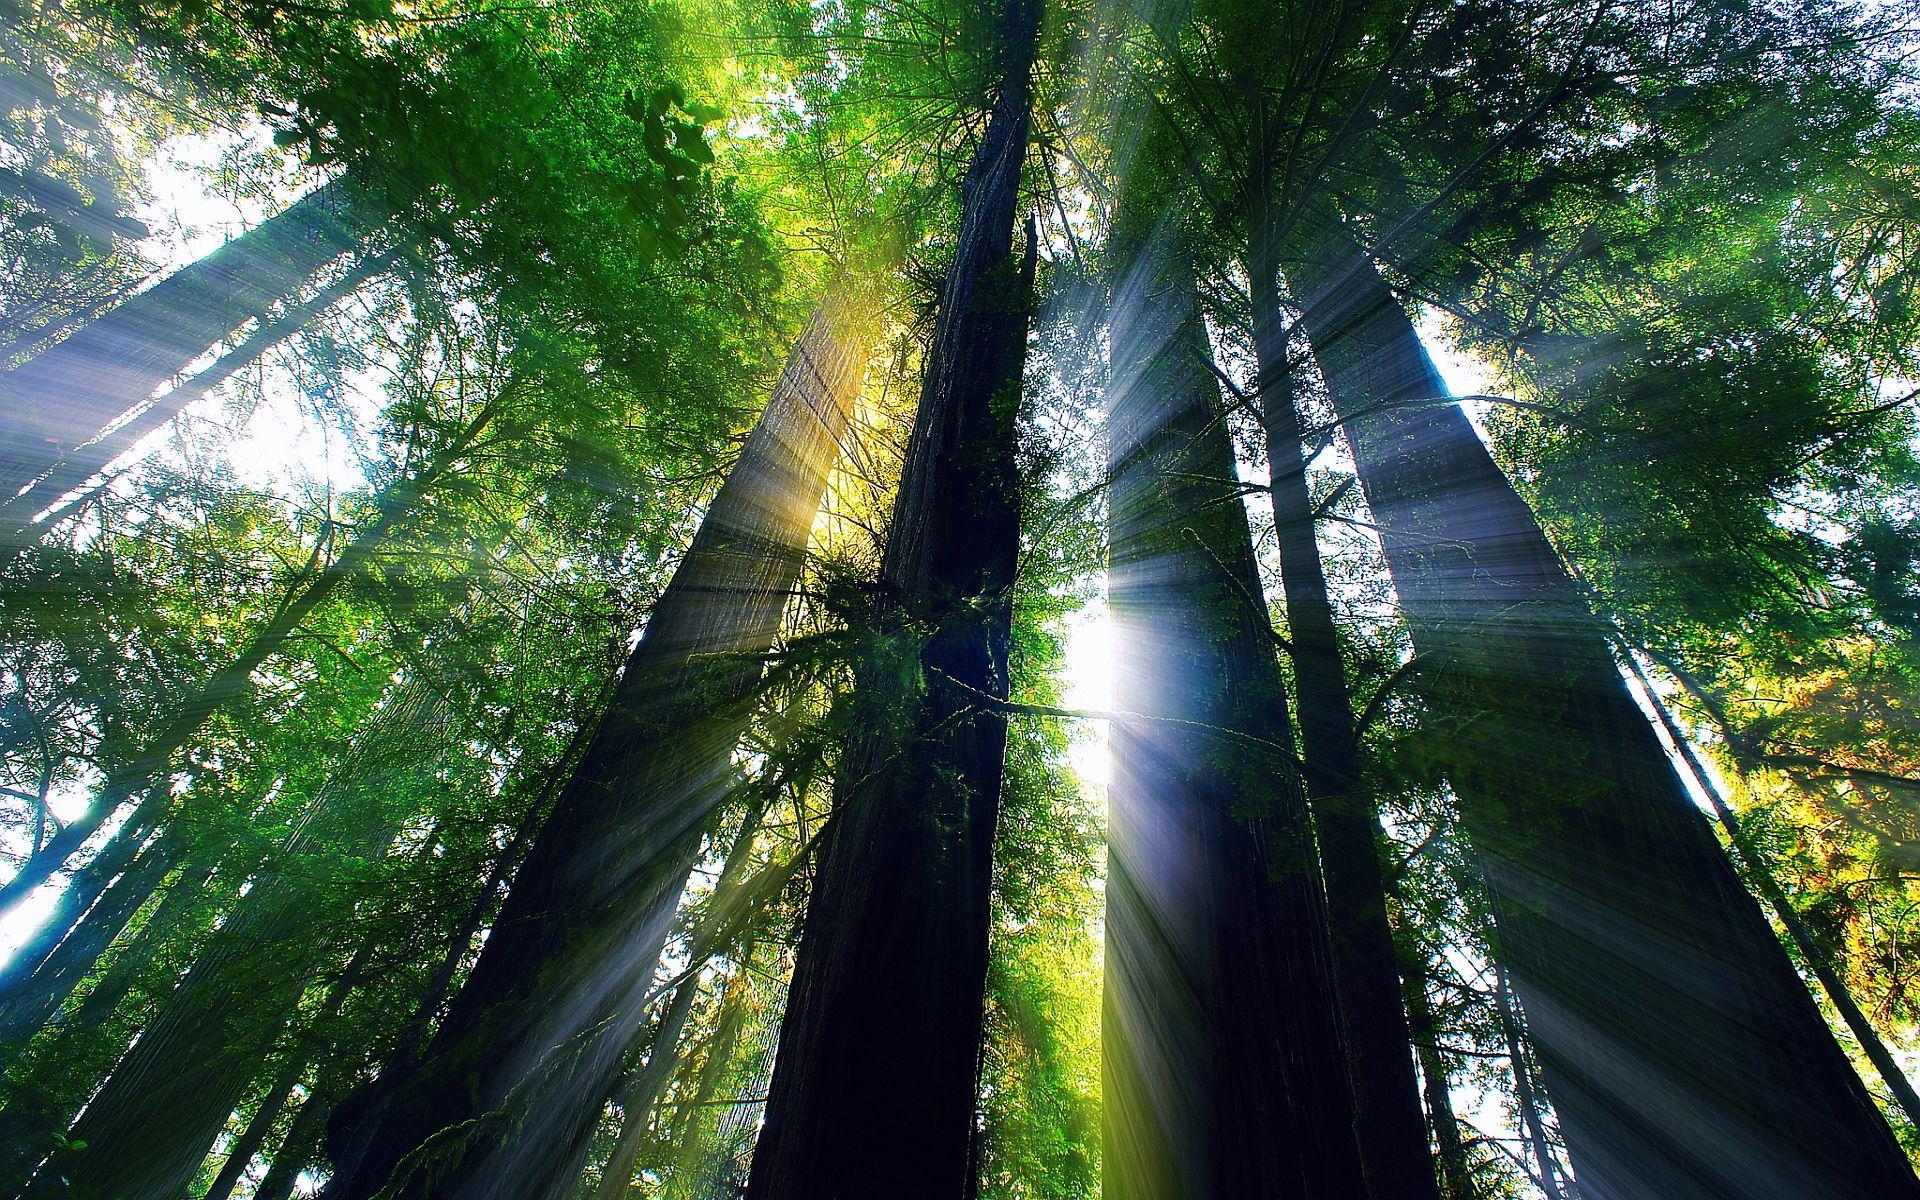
column 532, row 1044
column 1683, row 1054
column 67, row 394
column 1393, row 1133
column 1224, row 1068
column 874, row 1087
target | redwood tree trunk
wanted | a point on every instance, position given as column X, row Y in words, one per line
column 1393, row 1129
column 536, row 1036
column 1685, row 1057
column 1224, row 1067
column 65, row 395
column 874, row 1087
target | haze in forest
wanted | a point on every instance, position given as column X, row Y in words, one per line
column 977, row 599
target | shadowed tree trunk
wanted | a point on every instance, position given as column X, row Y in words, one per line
column 874, row 1087
column 1684, row 1055
column 1760, row 875
column 1223, row 1061
column 532, row 1044
column 1393, row 1133
column 65, row 395
column 1454, row 1169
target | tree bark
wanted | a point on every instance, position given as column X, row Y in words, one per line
column 1393, row 1132
column 1224, row 1067
column 65, row 395
column 532, row 1044
column 874, row 1087
column 1684, row 1055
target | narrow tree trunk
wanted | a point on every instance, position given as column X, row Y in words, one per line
column 1455, row 1171
column 1760, row 874
column 1684, row 1055
column 1223, row 1061
column 1393, row 1136
column 297, row 1150
column 1525, row 1096
column 643, row 1090
column 65, row 395
column 235, row 679
column 81, row 463
column 300, row 1148
column 532, row 1044
column 874, row 1088
column 104, row 998
column 280, row 1090
column 694, row 1164
column 272, row 1103
column 440, row 985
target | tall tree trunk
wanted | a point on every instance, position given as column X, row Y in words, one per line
column 298, row 1150
column 280, row 1089
column 874, row 1087
column 65, row 395
column 413, row 1037
column 1684, row 1055
column 1393, row 1133
column 241, row 1154
column 81, row 463
column 643, row 1089
column 1223, row 1061
column 235, row 679
column 1454, row 1169
column 532, row 1044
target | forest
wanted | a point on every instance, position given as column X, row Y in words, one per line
column 959, row 599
